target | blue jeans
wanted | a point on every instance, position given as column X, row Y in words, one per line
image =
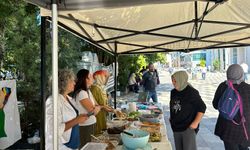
column 153, row 95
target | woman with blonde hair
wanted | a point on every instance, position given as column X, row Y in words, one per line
column 100, row 95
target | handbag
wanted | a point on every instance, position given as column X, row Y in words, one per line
column 74, row 141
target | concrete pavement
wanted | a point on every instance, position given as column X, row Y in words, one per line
column 206, row 140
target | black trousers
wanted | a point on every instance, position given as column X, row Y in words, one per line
column 232, row 146
column 134, row 88
column 85, row 134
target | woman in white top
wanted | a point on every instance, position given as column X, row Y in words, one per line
column 86, row 104
column 67, row 116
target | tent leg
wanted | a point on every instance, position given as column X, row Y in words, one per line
column 196, row 19
column 116, row 56
column 43, row 83
column 55, row 72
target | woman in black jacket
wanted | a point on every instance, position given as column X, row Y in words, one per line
column 233, row 135
column 186, row 112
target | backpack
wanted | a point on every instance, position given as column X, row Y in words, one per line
column 230, row 103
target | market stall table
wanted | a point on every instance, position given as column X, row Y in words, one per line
column 164, row 144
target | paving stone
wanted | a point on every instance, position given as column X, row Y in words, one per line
column 206, row 140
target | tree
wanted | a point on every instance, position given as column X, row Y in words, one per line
column 8, row 9
column 156, row 57
column 216, row 64
column 203, row 63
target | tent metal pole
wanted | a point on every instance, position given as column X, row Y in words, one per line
column 196, row 19
column 143, row 32
column 166, row 43
column 202, row 18
column 143, row 46
column 217, row 47
column 101, row 35
column 84, row 38
column 226, row 23
column 232, row 41
column 55, row 72
column 163, row 51
column 43, row 83
column 219, row 42
column 208, row 11
column 225, row 32
column 86, row 33
column 81, row 27
column 116, row 61
column 133, row 32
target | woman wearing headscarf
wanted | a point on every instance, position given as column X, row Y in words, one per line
column 100, row 95
column 231, row 134
column 186, row 111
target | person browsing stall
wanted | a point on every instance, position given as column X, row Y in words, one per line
column 150, row 79
column 234, row 135
column 186, row 111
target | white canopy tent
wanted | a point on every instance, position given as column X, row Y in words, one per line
column 146, row 26
column 155, row 26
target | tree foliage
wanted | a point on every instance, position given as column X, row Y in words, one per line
column 216, row 64
column 156, row 57
column 203, row 63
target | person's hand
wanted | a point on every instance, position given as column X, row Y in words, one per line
column 1, row 105
column 97, row 109
column 193, row 125
column 82, row 118
column 108, row 108
column 109, row 97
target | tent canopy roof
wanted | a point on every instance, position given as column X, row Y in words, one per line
column 142, row 26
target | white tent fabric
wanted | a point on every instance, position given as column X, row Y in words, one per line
column 105, row 19
column 101, row 21
column 116, row 22
column 100, row 4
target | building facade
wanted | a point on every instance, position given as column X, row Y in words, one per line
column 222, row 57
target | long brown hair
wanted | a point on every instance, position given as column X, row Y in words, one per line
column 81, row 83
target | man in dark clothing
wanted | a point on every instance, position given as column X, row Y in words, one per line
column 143, row 70
column 149, row 80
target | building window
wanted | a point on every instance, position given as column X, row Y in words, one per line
column 199, row 56
column 234, row 56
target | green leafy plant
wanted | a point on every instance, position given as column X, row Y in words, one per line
column 216, row 64
column 203, row 63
